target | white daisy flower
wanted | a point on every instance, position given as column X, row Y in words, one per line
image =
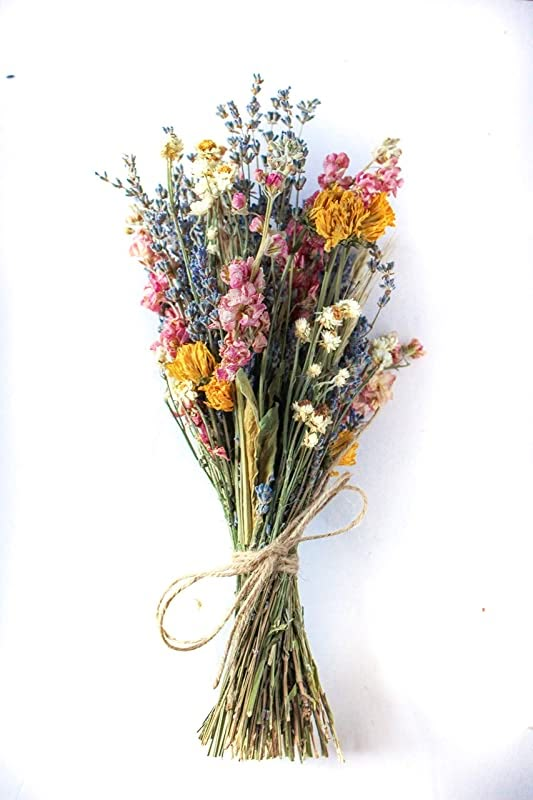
column 319, row 423
column 341, row 378
column 302, row 411
column 302, row 329
column 310, row 439
column 329, row 318
column 349, row 309
column 330, row 341
column 314, row 371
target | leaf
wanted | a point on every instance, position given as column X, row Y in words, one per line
column 250, row 434
column 267, row 444
column 275, row 384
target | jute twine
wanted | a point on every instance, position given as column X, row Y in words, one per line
column 259, row 566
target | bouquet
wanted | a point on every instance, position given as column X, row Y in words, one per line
column 272, row 372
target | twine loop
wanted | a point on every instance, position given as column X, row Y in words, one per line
column 280, row 556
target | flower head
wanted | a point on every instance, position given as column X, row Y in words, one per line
column 234, row 354
column 314, row 370
column 335, row 165
column 302, row 412
column 329, row 318
column 192, row 362
column 340, row 214
column 329, row 341
column 310, row 439
column 349, row 308
column 302, row 329
column 341, row 378
column 376, row 393
column 414, row 349
column 173, row 148
column 183, row 394
column 218, row 394
column 238, row 203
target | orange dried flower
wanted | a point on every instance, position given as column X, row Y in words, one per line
column 219, row 394
column 193, row 362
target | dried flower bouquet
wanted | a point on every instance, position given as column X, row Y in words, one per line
column 271, row 373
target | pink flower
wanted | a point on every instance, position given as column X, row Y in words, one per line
column 335, row 165
column 241, row 308
column 234, row 355
column 154, row 292
column 376, row 393
column 274, row 183
column 385, row 179
column 238, row 201
column 414, row 349
column 277, row 247
column 397, row 354
column 243, row 316
column 256, row 225
column 141, row 248
column 259, row 175
column 173, row 334
column 307, row 268
column 237, row 272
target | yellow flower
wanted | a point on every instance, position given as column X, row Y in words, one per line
column 343, row 451
column 350, row 456
column 338, row 214
column 173, row 148
column 218, row 394
column 206, row 145
column 192, row 363
column 378, row 216
column 210, row 149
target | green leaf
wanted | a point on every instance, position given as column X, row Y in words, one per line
column 267, row 444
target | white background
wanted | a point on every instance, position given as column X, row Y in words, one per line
column 102, row 505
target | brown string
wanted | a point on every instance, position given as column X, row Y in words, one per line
column 259, row 565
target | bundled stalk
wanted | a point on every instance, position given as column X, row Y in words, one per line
column 272, row 372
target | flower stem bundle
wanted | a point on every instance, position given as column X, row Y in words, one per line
column 272, row 371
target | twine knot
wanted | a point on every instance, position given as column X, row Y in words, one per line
column 280, row 556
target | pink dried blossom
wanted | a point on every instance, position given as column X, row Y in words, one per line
column 238, row 201
column 385, row 179
column 277, row 247
column 256, row 225
column 389, row 175
column 242, row 308
column 173, row 334
column 154, row 292
column 274, row 182
column 414, row 349
column 141, row 248
column 234, row 355
column 376, row 393
column 237, row 272
column 335, row 165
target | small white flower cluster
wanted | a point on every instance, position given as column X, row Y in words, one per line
column 212, row 237
column 316, row 424
column 332, row 317
column 302, row 329
column 183, row 393
column 341, row 378
column 314, row 370
column 329, row 341
column 212, row 178
column 382, row 350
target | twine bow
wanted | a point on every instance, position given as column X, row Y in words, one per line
column 259, row 565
